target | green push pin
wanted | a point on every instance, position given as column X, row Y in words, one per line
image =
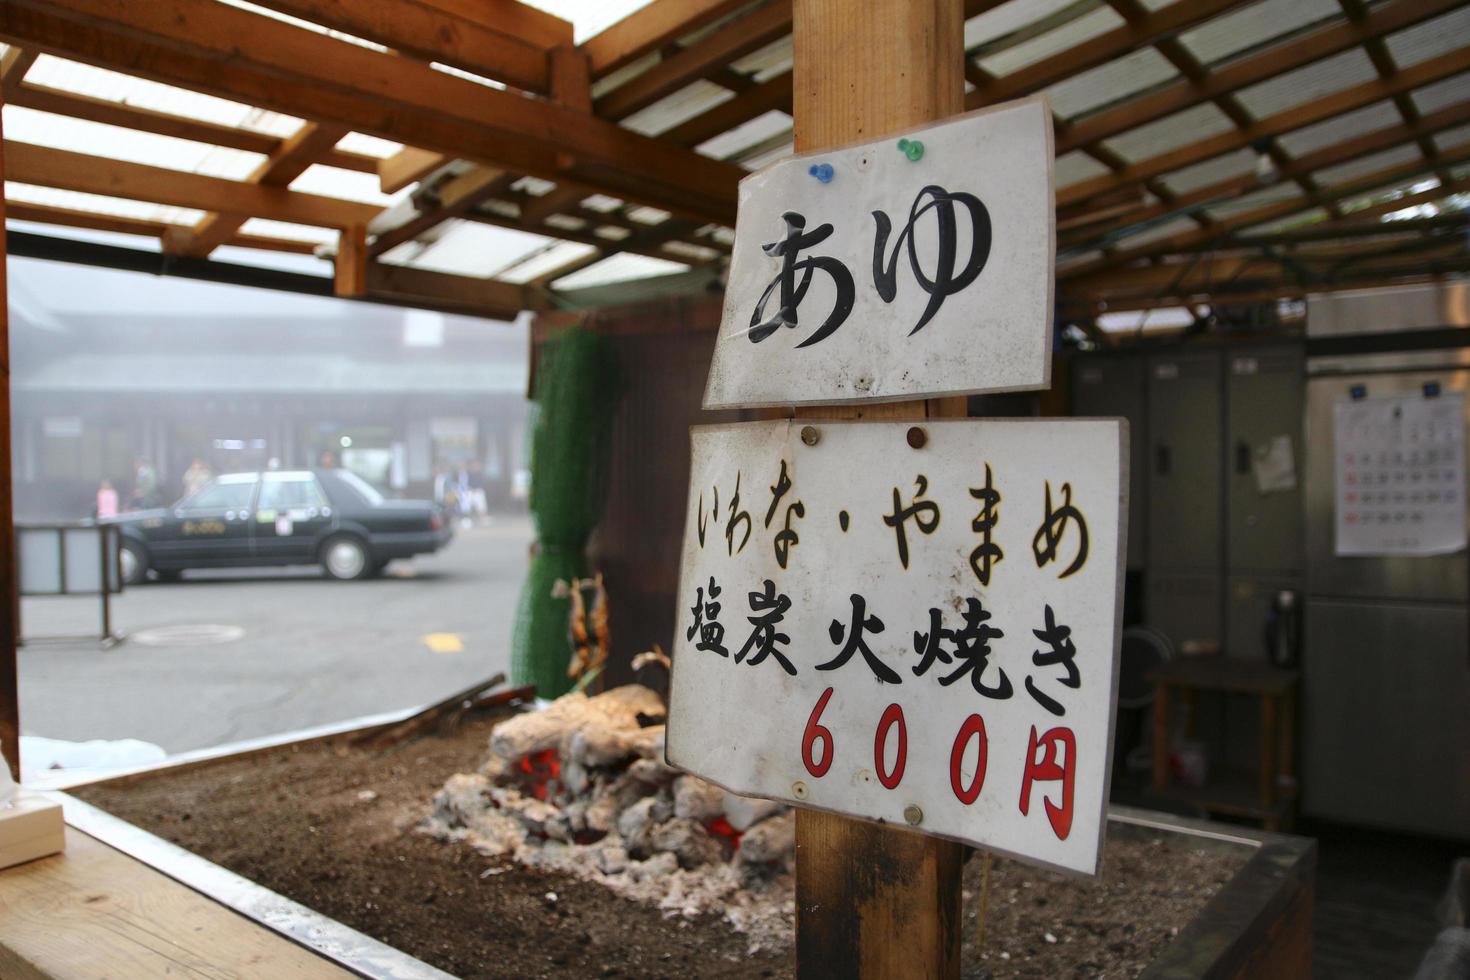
column 912, row 149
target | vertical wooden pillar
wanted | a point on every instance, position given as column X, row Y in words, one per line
column 9, row 602
column 874, row 902
column 350, row 269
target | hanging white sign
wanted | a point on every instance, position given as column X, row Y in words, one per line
column 907, row 623
column 921, row 264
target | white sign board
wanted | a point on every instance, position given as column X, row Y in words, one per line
column 862, row 274
column 924, row 636
column 1400, row 475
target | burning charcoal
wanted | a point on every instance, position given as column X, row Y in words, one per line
column 688, row 841
column 533, row 814
column 601, row 814
column 744, row 812
column 770, row 840
column 611, row 857
column 695, row 799
column 496, row 769
column 635, row 823
column 651, row 772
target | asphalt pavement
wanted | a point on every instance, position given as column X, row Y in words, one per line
column 226, row 655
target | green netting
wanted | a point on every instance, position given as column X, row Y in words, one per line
column 575, row 393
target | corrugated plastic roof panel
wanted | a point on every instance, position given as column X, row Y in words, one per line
column 368, row 145
column 116, row 143
column 1249, row 202
column 285, row 229
column 349, row 185
column 768, row 62
column 1347, row 173
column 1007, row 18
column 618, row 268
column 99, row 83
column 731, row 142
column 1301, row 218
column 1308, row 83
column 1442, row 95
column 98, row 204
column 468, row 248
column 1174, row 226
column 1077, row 166
column 1170, row 133
column 1250, row 27
column 545, row 260
column 1338, row 129
column 1211, row 171
column 1430, row 39
column 1111, row 82
column 1069, row 35
column 690, row 101
column 1451, row 139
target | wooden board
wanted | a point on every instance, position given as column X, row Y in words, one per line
column 94, row 912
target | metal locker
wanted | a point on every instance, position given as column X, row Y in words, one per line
column 1184, row 484
column 1184, row 606
column 1265, row 390
column 1113, row 386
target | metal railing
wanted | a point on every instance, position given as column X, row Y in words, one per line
column 69, row 559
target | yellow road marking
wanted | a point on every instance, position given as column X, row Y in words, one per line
column 443, row 642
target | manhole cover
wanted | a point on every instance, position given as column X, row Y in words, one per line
column 187, row 635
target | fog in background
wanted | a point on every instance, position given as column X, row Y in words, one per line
column 112, row 372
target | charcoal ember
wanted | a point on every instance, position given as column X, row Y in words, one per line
column 695, row 799
column 770, row 841
column 635, row 824
column 651, row 772
column 533, row 814
column 744, row 812
column 688, row 841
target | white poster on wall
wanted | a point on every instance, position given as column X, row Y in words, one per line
column 915, row 624
column 1399, row 475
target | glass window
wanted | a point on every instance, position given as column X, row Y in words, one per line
column 284, row 492
column 363, row 488
column 221, row 495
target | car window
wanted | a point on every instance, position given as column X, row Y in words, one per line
column 363, row 488
column 222, row 496
column 291, row 493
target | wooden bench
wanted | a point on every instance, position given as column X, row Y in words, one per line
column 93, row 911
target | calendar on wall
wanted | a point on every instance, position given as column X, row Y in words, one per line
column 1400, row 475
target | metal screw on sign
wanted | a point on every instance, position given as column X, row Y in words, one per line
column 913, row 149
column 798, row 790
column 810, row 435
column 822, row 171
column 917, row 437
column 913, row 814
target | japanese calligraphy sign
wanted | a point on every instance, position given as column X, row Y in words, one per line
column 924, row 636
column 874, row 273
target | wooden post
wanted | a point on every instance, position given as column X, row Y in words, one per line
column 874, row 902
column 350, row 267
column 9, row 601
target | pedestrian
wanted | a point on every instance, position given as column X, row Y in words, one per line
column 145, row 485
column 106, row 500
column 196, row 476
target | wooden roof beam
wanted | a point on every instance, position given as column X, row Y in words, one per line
column 72, row 218
column 1395, row 15
column 207, row 46
column 1426, row 72
column 86, row 174
column 431, row 35
column 1168, row 21
column 303, row 149
column 13, row 67
column 652, row 28
column 452, row 294
column 1329, row 156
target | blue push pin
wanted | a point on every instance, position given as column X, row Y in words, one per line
column 912, row 149
column 821, row 171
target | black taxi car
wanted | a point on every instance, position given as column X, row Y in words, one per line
column 280, row 517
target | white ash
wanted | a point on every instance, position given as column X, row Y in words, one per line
column 616, row 815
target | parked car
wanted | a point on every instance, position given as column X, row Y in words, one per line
column 287, row 517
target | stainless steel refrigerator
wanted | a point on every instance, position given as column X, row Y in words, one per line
column 1386, row 661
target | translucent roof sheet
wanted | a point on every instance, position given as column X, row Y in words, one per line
column 1170, row 133
column 1450, row 139
column 618, row 268
column 114, row 206
column 547, row 259
column 348, row 184
column 1105, row 84
column 1442, row 95
column 1077, row 166
column 1430, row 39
column 1377, row 116
column 1349, row 172
column 1211, row 171
column 1308, row 83
column 285, row 229
column 1252, row 26
column 1069, row 35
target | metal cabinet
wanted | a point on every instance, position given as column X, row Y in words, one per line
column 1184, row 468
column 1184, row 605
column 1114, row 387
column 1386, row 737
column 1265, row 389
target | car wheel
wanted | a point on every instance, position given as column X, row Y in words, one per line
column 134, row 562
column 167, row 574
column 345, row 557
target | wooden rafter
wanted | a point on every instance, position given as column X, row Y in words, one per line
column 70, row 217
column 304, row 148
column 13, row 67
column 211, row 47
column 87, row 174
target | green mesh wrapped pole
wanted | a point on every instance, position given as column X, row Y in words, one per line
column 576, row 391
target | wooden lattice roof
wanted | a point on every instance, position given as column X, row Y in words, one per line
column 1207, row 150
